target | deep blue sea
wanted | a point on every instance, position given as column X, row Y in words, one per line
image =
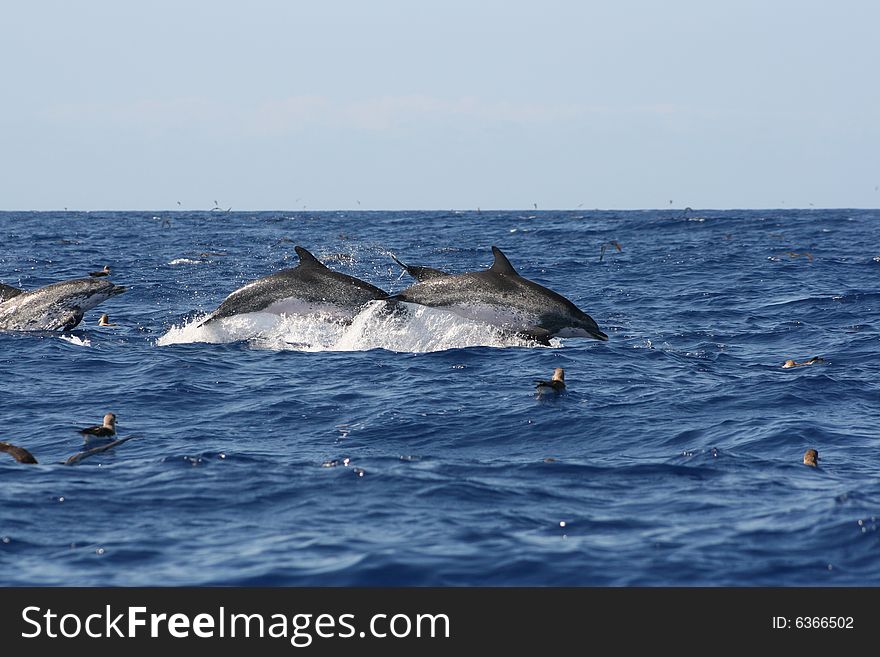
column 296, row 452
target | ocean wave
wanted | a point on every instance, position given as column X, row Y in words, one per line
column 185, row 261
column 419, row 329
column 76, row 340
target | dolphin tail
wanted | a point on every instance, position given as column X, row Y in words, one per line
column 394, row 258
column 419, row 273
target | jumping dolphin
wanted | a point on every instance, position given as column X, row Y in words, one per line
column 56, row 307
column 502, row 297
column 308, row 288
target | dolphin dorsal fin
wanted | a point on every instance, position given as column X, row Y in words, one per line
column 502, row 264
column 306, row 258
column 7, row 292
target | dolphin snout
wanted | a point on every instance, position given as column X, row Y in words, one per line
column 117, row 289
column 585, row 328
column 589, row 325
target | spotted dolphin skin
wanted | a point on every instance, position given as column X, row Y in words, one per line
column 56, row 307
column 308, row 288
column 503, row 298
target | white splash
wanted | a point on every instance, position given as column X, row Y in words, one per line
column 419, row 329
column 185, row 261
column 76, row 340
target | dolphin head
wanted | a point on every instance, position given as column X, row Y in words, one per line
column 90, row 292
column 556, row 314
column 118, row 289
column 578, row 324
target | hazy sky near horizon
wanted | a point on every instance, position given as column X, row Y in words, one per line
column 391, row 104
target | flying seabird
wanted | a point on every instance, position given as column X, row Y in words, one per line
column 605, row 245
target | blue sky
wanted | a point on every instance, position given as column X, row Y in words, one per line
column 398, row 105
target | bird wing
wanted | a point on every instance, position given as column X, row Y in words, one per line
column 79, row 456
column 97, row 430
column 20, row 454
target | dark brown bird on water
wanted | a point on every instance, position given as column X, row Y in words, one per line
column 811, row 458
column 555, row 384
column 103, row 272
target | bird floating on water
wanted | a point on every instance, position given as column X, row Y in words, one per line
column 792, row 363
column 811, row 458
column 100, row 431
column 555, row 385
column 104, row 320
column 103, row 272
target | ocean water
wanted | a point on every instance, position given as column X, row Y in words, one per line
column 284, row 451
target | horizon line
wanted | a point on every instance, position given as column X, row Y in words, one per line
column 468, row 209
